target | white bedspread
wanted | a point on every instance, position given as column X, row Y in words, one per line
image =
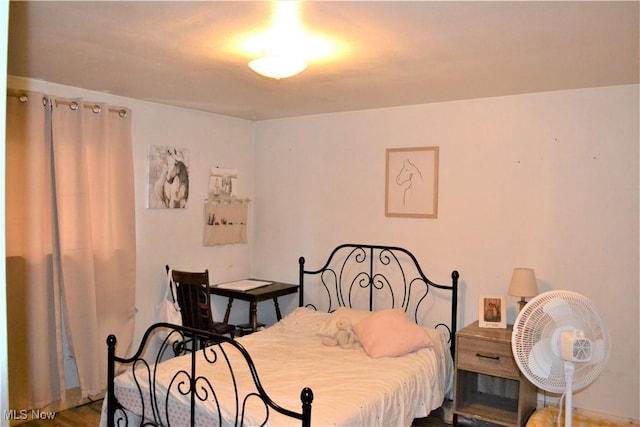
column 350, row 389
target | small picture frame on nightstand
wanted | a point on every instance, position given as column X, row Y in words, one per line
column 492, row 312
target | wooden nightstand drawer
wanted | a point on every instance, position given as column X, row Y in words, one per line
column 486, row 357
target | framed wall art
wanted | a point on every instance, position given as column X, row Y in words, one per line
column 492, row 312
column 411, row 188
column 168, row 178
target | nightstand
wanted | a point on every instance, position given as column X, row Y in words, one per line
column 488, row 384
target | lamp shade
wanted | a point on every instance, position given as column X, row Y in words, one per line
column 523, row 283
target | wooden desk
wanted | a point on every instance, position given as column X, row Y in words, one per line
column 254, row 296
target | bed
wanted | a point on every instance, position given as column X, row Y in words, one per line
column 286, row 374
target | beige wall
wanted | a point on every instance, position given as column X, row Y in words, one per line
column 547, row 180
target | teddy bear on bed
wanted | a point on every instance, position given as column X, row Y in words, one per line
column 344, row 336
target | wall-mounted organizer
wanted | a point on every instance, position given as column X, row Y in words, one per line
column 225, row 220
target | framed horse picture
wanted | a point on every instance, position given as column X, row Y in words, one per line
column 411, row 188
column 168, row 185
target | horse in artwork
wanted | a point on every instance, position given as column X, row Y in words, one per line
column 172, row 188
column 410, row 178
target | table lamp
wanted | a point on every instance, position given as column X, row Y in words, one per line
column 523, row 285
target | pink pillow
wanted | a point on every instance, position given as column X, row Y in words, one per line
column 390, row 333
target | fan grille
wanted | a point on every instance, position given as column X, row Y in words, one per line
column 535, row 334
column 582, row 350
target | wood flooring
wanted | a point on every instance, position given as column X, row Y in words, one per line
column 89, row 416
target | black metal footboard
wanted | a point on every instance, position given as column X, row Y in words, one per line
column 384, row 276
column 159, row 396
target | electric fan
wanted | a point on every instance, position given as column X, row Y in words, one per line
column 560, row 343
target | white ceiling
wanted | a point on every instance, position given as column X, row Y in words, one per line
column 391, row 52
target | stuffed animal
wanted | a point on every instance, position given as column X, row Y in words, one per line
column 344, row 337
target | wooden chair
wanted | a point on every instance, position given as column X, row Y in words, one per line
column 192, row 292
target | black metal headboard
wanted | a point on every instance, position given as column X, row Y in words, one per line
column 354, row 272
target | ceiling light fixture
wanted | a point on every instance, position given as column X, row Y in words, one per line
column 285, row 47
column 278, row 66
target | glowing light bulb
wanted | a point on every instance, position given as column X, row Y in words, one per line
column 285, row 47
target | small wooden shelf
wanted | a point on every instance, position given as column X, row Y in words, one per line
column 472, row 403
column 488, row 385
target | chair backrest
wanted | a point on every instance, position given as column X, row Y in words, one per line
column 192, row 292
